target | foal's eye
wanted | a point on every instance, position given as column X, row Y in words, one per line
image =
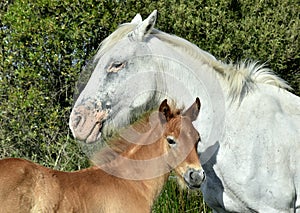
column 171, row 141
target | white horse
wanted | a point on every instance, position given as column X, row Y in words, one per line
column 250, row 123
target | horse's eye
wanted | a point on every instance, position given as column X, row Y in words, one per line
column 171, row 141
column 116, row 66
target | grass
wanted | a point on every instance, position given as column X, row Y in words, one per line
column 173, row 199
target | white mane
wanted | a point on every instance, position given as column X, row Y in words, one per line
column 240, row 76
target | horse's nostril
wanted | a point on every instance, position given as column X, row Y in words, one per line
column 76, row 121
column 108, row 105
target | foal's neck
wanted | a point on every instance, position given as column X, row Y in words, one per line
column 141, row 163
column 135, row 158
column 152, row 170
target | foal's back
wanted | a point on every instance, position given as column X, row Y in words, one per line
column 18, row 182
column 29, row 187
column 24, row 187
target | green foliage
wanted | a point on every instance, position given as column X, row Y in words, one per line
column 45, row 44
column 236, row 30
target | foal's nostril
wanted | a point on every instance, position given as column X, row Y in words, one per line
column 195, row 176
column 203, row 175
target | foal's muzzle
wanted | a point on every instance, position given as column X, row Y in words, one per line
column 194, row 178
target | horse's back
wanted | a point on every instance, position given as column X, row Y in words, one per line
column 276, row 152
column 262, row 156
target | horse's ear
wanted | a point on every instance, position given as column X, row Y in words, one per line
column 144, row 28
column 194, row 110
column 137, row 19
column 165, row 111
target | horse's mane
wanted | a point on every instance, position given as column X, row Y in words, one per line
column 240, row 76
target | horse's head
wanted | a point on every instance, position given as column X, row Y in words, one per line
column 182, row 138
column 119, row 73
column 135, row 68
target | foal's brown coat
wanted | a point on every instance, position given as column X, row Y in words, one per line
column 29, row 187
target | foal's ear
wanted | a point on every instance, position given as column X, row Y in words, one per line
column 194, row 110
column 165, row 111
column 144, row 28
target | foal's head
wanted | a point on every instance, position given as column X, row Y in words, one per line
column 155, row 145
column 181, row 139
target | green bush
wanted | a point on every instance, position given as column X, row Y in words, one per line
column 45, row 44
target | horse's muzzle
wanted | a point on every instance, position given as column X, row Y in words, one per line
column 86, row 122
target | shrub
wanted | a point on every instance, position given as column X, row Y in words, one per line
column 45, row 44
